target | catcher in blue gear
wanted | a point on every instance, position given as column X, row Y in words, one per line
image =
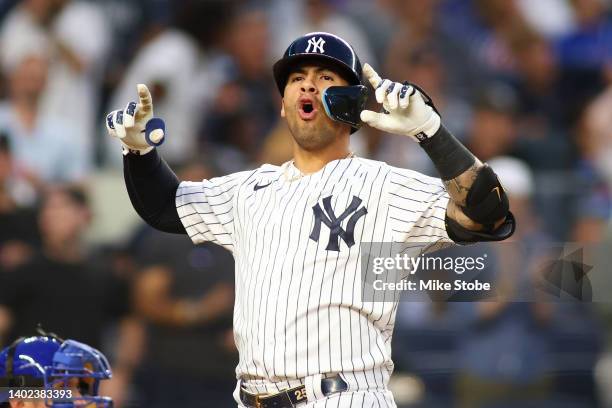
column 68, row 371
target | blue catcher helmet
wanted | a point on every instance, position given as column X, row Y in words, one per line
column 49, row 363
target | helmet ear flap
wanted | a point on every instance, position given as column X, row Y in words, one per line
column 345, row 103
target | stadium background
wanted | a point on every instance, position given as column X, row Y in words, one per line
column 527, row 81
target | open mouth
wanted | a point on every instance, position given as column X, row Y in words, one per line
column 307, row 110
column 307, row 107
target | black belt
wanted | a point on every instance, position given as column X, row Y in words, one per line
column 292, row 396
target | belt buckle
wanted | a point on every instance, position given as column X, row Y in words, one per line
column 258, row 402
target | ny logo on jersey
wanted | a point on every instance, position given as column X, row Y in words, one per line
column 328, row 217
column 316, row 44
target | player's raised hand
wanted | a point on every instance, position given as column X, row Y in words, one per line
column 405, row 110
column 135, row 126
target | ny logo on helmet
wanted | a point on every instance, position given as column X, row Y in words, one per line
column 316, row 44
column 328, row 217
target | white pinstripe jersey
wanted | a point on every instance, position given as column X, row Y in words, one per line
column 298, row 310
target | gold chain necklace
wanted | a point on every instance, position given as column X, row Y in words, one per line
column 300, row 175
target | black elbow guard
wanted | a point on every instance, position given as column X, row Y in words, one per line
column 486, row 202
column 460, row 234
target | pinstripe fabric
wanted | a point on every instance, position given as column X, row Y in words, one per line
column 298, row 310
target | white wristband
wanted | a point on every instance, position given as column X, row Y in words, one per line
column 138, row 152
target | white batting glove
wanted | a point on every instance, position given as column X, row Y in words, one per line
column 135, row 126
column 408, row 114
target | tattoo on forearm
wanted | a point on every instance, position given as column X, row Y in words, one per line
column 456, row 213
column 459, row 187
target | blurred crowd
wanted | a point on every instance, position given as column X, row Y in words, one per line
column 526, row 85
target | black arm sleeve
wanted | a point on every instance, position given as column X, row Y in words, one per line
column 152, row 185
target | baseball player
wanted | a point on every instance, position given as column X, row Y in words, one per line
column 46, row 371
column 304, row 336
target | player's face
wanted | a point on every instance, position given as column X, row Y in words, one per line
column 303, row 107
column 76, row 386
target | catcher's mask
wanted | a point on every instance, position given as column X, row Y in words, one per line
column 69, row 371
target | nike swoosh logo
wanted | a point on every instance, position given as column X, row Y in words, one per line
column 260, row 186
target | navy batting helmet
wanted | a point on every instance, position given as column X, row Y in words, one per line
column 342, row 103
column 319, row 46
